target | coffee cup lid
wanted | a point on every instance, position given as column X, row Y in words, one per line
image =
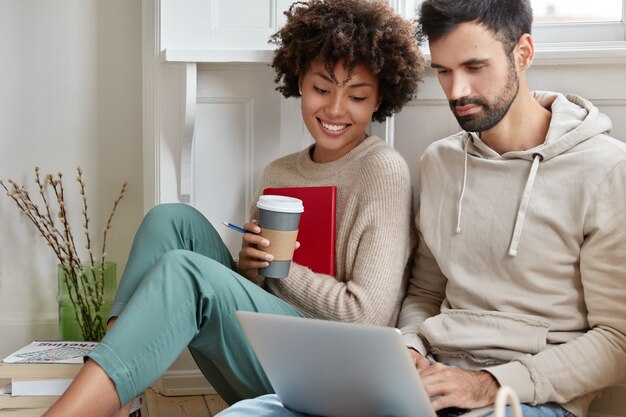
column 280, row 203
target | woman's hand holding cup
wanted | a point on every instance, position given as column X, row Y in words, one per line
column 251, row 257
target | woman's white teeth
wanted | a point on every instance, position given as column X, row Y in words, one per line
column 334, row 128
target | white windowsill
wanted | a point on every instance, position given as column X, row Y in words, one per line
column 575, row 53
column 218, row 55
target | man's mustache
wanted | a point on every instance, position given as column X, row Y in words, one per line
column 463, row 101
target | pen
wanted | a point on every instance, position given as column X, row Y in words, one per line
column 234, row 227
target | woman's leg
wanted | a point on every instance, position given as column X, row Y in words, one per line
column 167, row 227
column 91, row 393
column 185, row 299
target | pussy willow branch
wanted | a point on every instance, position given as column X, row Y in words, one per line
column 83, row 195
column 39, row 216
column 67, row 248
column 83, row 293
column 22, row 198
column 50, row 182
column 108, row 225
column 85, row 285
column 89, row 287
column 106, row 229
column 73, row 257
column 19, row 198
column 96, row 293
column 50, row 220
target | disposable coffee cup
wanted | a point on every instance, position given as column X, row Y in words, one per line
column 279, row 217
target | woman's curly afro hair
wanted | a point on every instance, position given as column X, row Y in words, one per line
column 355, row 31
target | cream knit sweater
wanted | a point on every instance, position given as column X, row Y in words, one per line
column 373, row 235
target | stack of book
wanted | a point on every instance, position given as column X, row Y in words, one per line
column 33, row 378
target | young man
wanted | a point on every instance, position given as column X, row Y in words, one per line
column 520, row 272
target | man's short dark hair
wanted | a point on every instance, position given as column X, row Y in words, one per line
column 507, row 19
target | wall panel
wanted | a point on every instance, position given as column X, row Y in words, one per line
column 221, row 171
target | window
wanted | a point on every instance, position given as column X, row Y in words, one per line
column 558, row 21
column 578, row 20
column 577, row 11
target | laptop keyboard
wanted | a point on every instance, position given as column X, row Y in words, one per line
column 451, row 412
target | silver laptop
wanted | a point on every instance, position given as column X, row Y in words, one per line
column 336, row 369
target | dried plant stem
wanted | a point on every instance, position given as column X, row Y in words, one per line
column 108, row 225
column 20, row 199
column 84, row 282
column 83, row 288
column 51, row 227
column 98, row 292
column 83, row 195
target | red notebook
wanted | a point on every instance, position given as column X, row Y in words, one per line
column 316, row 232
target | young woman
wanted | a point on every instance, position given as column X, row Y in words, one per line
column 350, row 61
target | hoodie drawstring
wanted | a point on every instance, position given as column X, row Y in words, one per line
column 460, row 209
column 521, row 212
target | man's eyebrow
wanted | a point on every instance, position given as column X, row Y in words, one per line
column 474, row 61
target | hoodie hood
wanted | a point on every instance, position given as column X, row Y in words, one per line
column 574, row 120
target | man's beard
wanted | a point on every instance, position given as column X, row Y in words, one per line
column 491, row 113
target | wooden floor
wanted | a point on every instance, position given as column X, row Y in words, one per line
column 186, row 406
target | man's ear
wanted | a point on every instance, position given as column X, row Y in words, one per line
column 525, row 51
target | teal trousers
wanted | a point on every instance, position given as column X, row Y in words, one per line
column 180, row 290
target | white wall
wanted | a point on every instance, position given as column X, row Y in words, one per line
column 70, row 94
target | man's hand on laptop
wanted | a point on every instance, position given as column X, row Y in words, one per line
column 420, row 361
column 454, row 387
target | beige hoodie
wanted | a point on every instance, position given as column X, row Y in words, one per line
column 521, row 263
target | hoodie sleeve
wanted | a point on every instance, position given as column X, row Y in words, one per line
column 596, row 359
column 425, row 294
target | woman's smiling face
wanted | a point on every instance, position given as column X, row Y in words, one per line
column 337, row 114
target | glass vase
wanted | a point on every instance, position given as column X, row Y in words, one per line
column 85, row 298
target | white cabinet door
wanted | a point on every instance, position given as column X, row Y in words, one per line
column 245, row 24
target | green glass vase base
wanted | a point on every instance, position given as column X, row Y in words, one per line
column 85, row 296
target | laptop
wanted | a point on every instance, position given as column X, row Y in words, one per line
column 337, row 369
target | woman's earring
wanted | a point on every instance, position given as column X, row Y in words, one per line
column 300, row 92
